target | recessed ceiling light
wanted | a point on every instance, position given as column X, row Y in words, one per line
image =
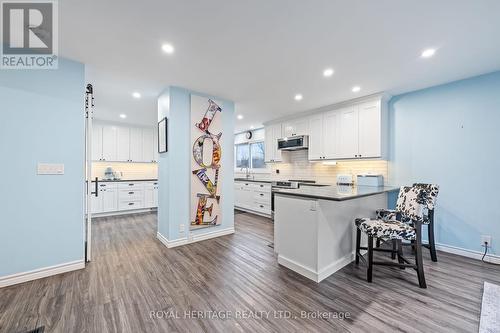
column 136, row 95
column 167, row 48
column 328, row 72
column 298, row 97
column 123, row 116
column 356, row 89
column 428, row 53
column 240, row 116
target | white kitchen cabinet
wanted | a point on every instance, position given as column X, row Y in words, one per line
column 109, row 200
column 96, row 142
column 370, row 129
column 122, row 144
column 272, row 134
column 362, row 130
column 349, row 129
column 316, row 137
column 151, row 195
column 324, row 136
column 109, row 143
column 155, row 145
column 296, row 127
column 116, row 197
column 254, row 197
column 136, row 144
column 148, row 145
column 331, row 129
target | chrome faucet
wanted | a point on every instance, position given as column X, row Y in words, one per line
column 247, row 172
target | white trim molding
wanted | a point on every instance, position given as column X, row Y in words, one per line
column 35, row 274
column 311, row 273
column 468, row 253
column 194, row 238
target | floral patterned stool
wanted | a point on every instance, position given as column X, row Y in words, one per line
column 431, row 192
column 410, row 206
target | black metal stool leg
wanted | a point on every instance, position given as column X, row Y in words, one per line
column 432, row 244
column 418, row 258
column 370, row 259
column 394, row 249
column 358, row 245
column 400, row 253
column 378, row 242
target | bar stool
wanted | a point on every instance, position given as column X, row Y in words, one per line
column 430, row 191
column 410, row 206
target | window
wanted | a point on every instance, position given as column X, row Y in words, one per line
column 257, row 153
column 242, row 156
column 250, row 155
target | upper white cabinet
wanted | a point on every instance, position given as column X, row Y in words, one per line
column 148, row 145
column 96, row 142
column 362, row 130
column 324, row 136
column 123, row 144
column 349, row 129
column 296, row 127
column 272, row 134
column 109, row 143
column 370, row 129
column 136, row 144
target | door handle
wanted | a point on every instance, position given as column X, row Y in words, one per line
column 96, row 187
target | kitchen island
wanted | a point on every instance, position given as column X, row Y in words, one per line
column 314, row 232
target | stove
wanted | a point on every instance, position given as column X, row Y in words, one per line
column 292, row 183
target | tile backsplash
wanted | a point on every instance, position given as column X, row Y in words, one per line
column 129, row 170
column 295, row 165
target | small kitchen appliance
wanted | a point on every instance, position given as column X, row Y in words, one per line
column 370, row 180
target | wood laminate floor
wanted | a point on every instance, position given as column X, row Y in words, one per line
column 237, row 276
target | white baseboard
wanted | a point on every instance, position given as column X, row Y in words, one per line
column 194, row 238
column 10, row 280
column 335, row 266
column 125, row 212
column 311, row 273
column 172, row 243
column 467, row 253
column 298, row 268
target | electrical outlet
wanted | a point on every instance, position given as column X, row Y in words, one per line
column 484, row 239
column 181, row 228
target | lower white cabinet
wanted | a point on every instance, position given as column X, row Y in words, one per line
column 253, row 197
column 124, row 196
column 151, row 195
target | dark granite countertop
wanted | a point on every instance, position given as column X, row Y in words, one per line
column 253, row 180
column 335, row 193
column 126, row 180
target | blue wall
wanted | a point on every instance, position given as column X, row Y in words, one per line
column 174, row 167
column 42, row 120
column 450, row 135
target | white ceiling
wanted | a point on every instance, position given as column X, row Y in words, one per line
column 261, row 53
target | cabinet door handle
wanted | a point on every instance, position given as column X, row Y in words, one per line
column 262, row 194
column 261, row 185
column 130, row 184
column 130, row 192
column 261, row 206
column 130, row 203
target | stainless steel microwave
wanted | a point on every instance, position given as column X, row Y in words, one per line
column 294, row 143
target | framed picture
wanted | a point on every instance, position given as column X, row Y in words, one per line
column 162, row 136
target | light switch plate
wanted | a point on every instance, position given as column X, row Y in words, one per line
column 50, row 169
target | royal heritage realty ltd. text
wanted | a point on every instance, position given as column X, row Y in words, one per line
column 247, row 314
